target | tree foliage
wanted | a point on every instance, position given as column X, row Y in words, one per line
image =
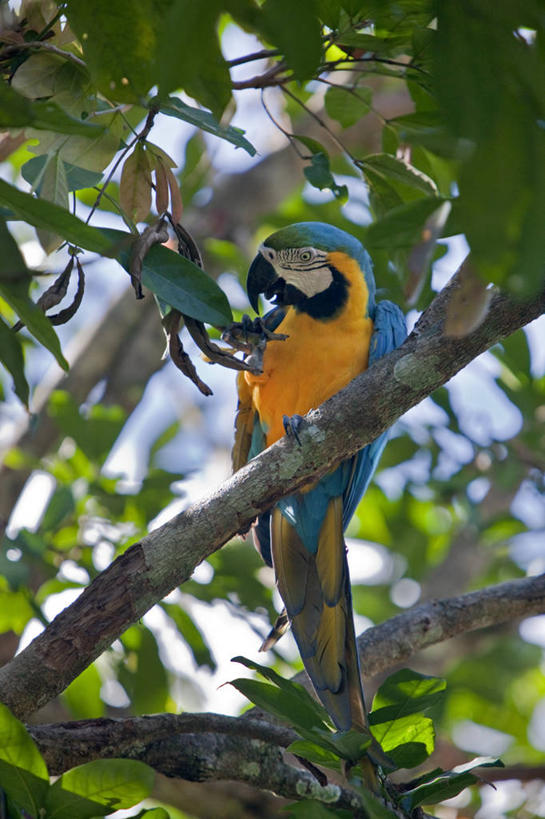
column 406, row 122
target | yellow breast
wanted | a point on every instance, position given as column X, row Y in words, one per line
column 317, row 359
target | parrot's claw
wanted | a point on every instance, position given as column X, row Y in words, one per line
column 292, row 426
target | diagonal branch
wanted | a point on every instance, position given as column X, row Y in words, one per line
column 150, row 569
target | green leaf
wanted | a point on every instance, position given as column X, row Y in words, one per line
column 51, row 217
column 406, row 692
column 177, row 281
column 394, row 170
column 11, row 356
column 188, row 54
column 23, row 772
column 143, row 677
column 447, row 785
column 119, row 63
column 408, row 741
column 76, row 178
column 348, row 105
column 319, row 175
column 296, row 31
column 376, row 45
column 311, row 809
column 316, row 753
column 16, row 111
column 99, row 788
column 402, row 226
column 206, row 121
column 83, row 695
column 54, row 188
column 315, row 714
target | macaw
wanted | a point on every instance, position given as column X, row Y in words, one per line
column 322, row 282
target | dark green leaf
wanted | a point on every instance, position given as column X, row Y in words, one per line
column 447, row 785
column 48, row 216
column 296, row 31
column 177, row 281
column 206, row 121
column 407, row 741
column 11, row 356
column 319, row 175
column 77, row 178
column 316, row 753
column 188, row 54
column 119, row 63
column 99, row 788
column 17, row 111
column 347, row 105
column 23, row 772
column 312, row 714
column 402, row 226
column 144, row 678
column 394, row 170
column 83, row 695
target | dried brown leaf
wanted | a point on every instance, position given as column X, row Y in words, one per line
column 161, row 186
column 135, row 185
column 421, row 254
column 154, row 234
column 9, row 144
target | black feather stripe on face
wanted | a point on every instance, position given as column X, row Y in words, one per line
column 323, row 306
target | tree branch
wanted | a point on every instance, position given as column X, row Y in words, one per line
column 150, row 569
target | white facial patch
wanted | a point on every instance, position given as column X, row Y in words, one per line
column 309, row 282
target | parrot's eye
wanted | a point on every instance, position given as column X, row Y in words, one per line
column 306, row 255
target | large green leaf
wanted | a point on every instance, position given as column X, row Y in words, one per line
column 188, row 54
column 46, row 215
column 83, row 695
column 11, row 356
column 16, row 111
column 23, row 772
column 206, row 121
column 143, row 677
column 176, row 281
column 191, row 634
column 296, row 31
column 406, row 692
column 99, row 788
column 119, row 40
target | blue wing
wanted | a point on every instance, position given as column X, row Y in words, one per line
column 390, row 332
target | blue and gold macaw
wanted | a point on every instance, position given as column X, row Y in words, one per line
column 322, row 283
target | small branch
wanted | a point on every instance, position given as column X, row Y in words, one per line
column 11, row 50
column 264, row 54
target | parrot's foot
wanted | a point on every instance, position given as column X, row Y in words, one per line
column 292, row 426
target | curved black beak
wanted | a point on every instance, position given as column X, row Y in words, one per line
column 261, row 277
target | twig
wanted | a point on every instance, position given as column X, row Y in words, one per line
column 41, row 46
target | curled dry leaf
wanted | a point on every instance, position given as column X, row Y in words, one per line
column 54, row 294
column 135, row 184
column 468, row 306
column 65, row 315
column 154, row 234
column 180, row 358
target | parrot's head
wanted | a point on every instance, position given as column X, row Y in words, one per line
column 311, row 266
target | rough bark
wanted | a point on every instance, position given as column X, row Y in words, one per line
column 165, row 558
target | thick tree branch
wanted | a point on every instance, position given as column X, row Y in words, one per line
column 167, row 556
